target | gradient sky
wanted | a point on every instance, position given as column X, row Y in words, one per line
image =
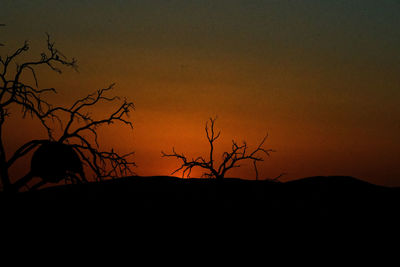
column 321, row 77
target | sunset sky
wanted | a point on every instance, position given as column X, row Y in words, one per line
column 322, row 78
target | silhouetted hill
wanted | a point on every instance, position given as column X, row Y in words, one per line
column 314, row 196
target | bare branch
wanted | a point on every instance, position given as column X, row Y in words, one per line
column 90, row 125
column 78, row 127
column 230, row 159
column 24, row 149
column 30, row 97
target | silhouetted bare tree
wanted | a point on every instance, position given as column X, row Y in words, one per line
column 230, row 159
column 73, row 125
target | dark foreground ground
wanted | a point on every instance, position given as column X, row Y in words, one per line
column 322, row 197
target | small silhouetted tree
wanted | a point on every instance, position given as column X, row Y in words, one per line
column 74, row 125
column 230, row 160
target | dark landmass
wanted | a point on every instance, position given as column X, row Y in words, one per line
column 323, row 197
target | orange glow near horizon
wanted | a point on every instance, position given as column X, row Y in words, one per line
column 322, row 142
column 320, row 78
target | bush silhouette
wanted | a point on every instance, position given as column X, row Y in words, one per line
column 230, row 159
